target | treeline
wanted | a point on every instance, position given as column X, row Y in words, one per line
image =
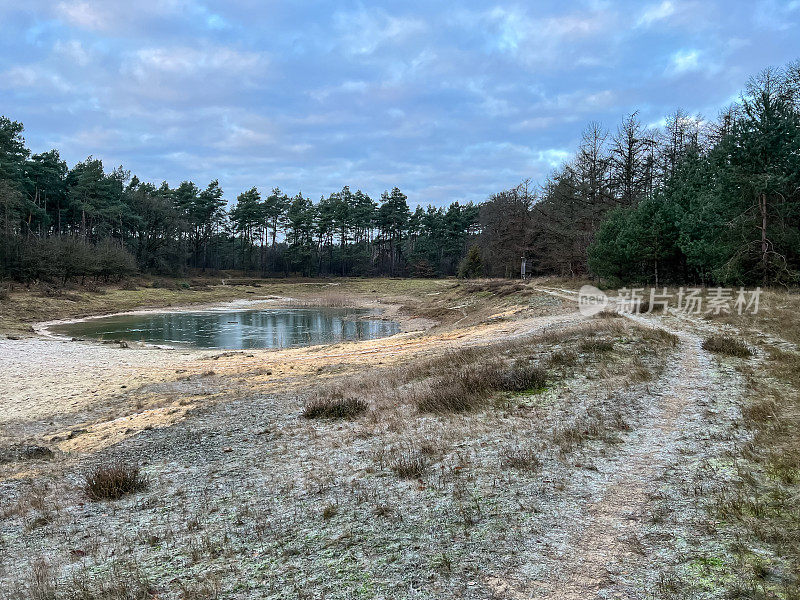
column 713, row 202
column 689, row 201
column 65, row 223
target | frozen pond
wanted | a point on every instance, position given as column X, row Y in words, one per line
column 235, row 329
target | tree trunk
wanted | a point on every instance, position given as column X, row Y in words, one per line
column 762, row 202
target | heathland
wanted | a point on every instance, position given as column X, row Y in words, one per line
column 501, row 445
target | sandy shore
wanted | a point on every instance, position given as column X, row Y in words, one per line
column 52, row 387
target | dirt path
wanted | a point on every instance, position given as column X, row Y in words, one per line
column 604, row 541
column 603, row 544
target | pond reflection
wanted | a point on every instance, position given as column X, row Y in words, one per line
column 236, row 329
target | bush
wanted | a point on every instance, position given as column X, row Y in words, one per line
column 466, row 388
column 445, row 395
column 593, row 345
column 472, row 266
column 114, row 480
column 523, row 376
column 113, row 261
column 409, row 464
column 62, row 258
column 334, row 408
column 523, row 458
column 722, row 344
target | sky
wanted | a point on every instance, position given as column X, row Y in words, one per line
column 450, row 101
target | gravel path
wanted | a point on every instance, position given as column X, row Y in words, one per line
column 605, row 544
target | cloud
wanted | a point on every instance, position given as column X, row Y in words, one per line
column 546, row 41
column 684, row 61
column 448, row 103
column 186, row 60
column 72, row 51
column 83, row 14
column 34, row 78
column 655, row 13
column 553, row 157
column 363, row 32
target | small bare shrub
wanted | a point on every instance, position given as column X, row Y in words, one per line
column 730, row 346
column 594, row 345
column 114, row 480
column 607, row 314
column 563, row 358
column 520, row 457
column 523, row 376
column 409, row 464
column 41, row 581
column 327, row 407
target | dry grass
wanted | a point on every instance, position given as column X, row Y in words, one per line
column 467, row 387
column 327, row 300
column 408, row 463
column 723, row 344
column 524, row 458
column 327, row 407
column 594, row 425
column 495, row 287
column 113, row 480
column 596, row 345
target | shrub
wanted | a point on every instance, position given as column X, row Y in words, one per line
column 522, row 458
column 722, row 344
column 444, row 395
column 464, row 389
column 113, row 261
column 608, row 314
column 114, row 480
column 563, row 358
column 472, row 266
column 523, row 376
column 334, row 408
column 409, row 464
column 593, row 345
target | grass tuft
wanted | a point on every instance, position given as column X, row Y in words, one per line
column 520, row 457
column 465, row 389
column 721, row 344
column 334, row 408
column 113, row 480
column 409, row 464
column 594, row 345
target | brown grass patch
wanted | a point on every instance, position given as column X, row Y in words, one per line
column 466, row 388
column 408, row 463
column 114, row 480
column 523, row 458
column 721, row 344
column 595, row 345
column 327, row 407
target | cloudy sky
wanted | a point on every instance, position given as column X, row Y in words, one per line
column 448, row 101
